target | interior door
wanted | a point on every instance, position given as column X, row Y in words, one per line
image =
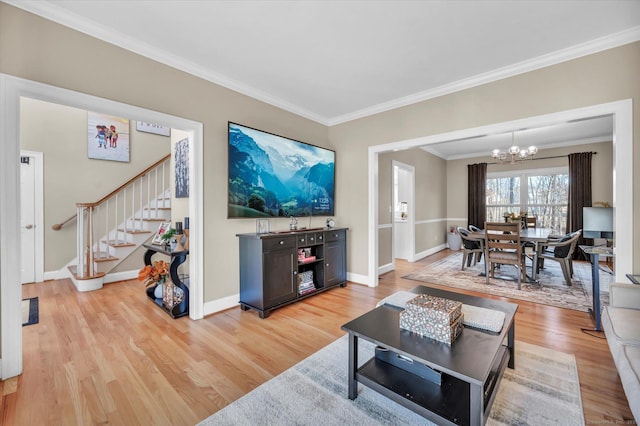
column 27, row 219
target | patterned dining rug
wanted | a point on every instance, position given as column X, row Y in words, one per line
column 29, row 311
column 543, row 389
column 551, row 289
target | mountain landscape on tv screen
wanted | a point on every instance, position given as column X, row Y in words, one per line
column 271, row 176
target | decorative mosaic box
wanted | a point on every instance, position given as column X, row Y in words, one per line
column 435, row 308
column 441, row 332
column 433, row 317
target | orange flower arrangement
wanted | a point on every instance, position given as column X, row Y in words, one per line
column 152, row 274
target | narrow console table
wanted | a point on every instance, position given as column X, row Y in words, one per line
column 594, row 254
column 177, row 259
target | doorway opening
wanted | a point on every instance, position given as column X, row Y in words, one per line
column 622, row 136
column 13, row 89
column 403, row 212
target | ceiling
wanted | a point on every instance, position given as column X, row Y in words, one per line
column 335, row 61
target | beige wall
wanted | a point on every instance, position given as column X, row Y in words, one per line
column 60, row 133
column 430, row 198
column 40, row 50
column 607, row 76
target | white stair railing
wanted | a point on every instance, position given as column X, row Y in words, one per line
column 126, row 210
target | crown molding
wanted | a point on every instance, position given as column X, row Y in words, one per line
column 53, row 13
column 588, row 48
column 78, row 23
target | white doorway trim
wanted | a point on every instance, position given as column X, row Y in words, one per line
column 622, row 112
column 38, row 196
column 11, row 90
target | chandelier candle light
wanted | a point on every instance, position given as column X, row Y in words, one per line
column 515, row 152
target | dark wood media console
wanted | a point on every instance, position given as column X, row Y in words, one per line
column 284, row 267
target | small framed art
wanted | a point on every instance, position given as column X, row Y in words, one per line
column 262, row 226
column 108, row 137
column 162, row 229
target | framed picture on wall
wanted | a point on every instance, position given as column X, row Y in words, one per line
column 108, row 137
column 182, row 168
column 141, row 126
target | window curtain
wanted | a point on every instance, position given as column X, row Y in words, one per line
column 579, row 193
column 477, row 194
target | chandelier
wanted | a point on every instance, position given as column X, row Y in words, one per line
column 514, row 151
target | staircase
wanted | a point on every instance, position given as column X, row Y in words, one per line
column 112, row 228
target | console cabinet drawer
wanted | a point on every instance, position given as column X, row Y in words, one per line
column 335, row 235
column 278, row 243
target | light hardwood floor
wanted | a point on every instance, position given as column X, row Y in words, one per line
column 111, row 356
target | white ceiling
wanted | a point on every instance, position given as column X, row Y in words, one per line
column 334, row 61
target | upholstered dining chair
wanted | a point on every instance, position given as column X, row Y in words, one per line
column 503, row 247
column 472, row 248
column 561, row 250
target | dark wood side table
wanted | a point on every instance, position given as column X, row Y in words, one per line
column 177, row 259
column 471, row 368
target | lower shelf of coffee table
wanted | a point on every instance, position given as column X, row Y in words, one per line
column 450, row 401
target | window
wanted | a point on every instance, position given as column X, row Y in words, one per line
column 543, row 193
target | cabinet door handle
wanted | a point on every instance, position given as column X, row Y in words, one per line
column 281, row 242
column 302, row 240
column 327, row 264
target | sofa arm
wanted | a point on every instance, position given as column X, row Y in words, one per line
column 623, row 295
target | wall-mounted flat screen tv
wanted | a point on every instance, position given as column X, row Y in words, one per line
column 274, row 176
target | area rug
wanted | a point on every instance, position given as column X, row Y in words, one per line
column 542, row 390
column 29, row 311
column 551, row 289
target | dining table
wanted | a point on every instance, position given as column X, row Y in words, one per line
column 536, row 236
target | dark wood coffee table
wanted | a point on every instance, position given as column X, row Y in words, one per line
column 471, row 368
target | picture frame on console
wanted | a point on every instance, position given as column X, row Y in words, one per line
column 162, row 229
column 262, row 226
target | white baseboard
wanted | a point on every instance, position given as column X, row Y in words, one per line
column 422, row 255
column 120, row 276
column 383, row 269
column 357, row 278
column 220, row 304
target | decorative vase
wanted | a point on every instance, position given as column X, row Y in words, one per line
column 168, row 294
column 157, row 292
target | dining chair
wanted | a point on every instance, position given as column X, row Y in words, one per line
column 531, row 222
column 472, row 248
column 503, row 247
column 561, row 251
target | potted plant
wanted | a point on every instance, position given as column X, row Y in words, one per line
column 168, row 238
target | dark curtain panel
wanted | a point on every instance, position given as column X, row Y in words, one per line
column 579, row 193
column 477, row 194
